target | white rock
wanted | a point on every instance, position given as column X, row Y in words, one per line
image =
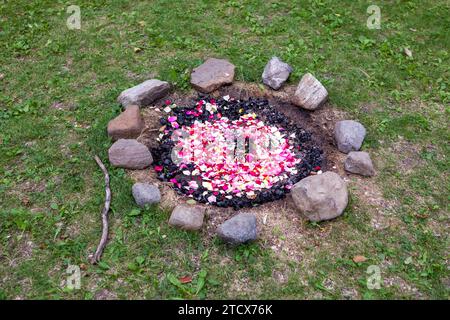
column 310, row 93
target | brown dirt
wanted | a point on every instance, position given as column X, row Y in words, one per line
column 408, row 155
column 104, row 294
column 19, row 249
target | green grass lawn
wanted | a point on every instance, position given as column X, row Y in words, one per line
column 59, row 90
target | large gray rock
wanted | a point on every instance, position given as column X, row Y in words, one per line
column 129, row 154
column 187, row 217
column 320, row 197
column 145, row 93
column 276, row 73
column 145, row 193
column 359, row 162
column 239, row 229
column 127, row 125
column 212, row 74
column 310, row 93
column 349, row 135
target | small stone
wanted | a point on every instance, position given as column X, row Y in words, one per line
column 359, row 162
column 129, row 154
column 310, row 93
column 145, row 194
column 239, row 229
column 187, row 217
column 320, row 197
column 145, row 93
column 349, row 135
column 212, row 74
column 276, row 73
column 128, row 125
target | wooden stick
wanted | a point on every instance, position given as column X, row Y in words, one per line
column 98, row 253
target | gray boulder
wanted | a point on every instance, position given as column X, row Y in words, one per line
column 187, row 217
column 320, row 197
column 276, row 73
column 129, row 154
column 212, row 74
column 145, row 93
column 145, row 193
column 359, row 162
column 310, row 93
column 349, row 135
column 239, row 229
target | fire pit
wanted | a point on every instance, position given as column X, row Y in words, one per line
column 227, row 149
column 232, row 153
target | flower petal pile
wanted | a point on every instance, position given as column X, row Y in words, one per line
column 236, row 157
column 232, row 153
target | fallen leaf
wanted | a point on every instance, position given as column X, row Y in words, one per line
column 264, row 219
column 191, row 201
column 185, row 279
column 408, row 52
column 359, row 259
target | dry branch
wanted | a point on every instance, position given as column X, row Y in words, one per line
column 101, row 246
